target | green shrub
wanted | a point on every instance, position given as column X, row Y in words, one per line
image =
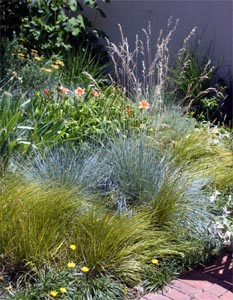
column 92, row 115
column 29, row 70
column 50, row 25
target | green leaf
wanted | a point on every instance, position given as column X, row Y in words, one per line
column 13, row 122
column 76, row 31
column 73, row 5
column 90, row 3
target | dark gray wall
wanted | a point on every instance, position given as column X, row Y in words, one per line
column 213, row 17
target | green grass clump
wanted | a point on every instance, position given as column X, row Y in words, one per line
column 116, row 244
column 33, row 220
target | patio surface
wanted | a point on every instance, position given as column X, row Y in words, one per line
column 212, row 282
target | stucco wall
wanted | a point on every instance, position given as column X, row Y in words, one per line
column 214, row 17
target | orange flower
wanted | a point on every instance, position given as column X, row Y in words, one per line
column 63, row 90
column 46, row 91
column 79, row 91
column 144, row 104
column 96, row 93
column 128, row 111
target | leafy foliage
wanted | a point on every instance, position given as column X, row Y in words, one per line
column 51, row 25
column 12, row 130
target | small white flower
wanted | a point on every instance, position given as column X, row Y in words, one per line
column 217, row 193
column 212, row 198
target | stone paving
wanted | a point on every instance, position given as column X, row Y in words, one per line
column 213, row 282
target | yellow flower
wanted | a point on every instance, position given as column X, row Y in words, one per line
column 8, row 288
column 21, row 55
column 46, row 70
column 71, row 265
column 37, row 57
column 63, row 290
column 85, row 269
column 56, row 67
column 59, row 62
column 155, row 261
column 125, row 291
column 73, row 247
column 1, row 278
column 53, row 293
column 33, row 51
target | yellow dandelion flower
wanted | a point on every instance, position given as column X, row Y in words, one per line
column 125, row 291
column 155, row 261
column 73, row 247
column 55, row 67
column 63, row 290
column 85, row 269
column 8, row 288
column 53, row 293
column 46, row 70
column 71, row 265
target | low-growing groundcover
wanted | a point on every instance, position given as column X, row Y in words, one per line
column 103, row 193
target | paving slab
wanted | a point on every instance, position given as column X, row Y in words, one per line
column 211, row 282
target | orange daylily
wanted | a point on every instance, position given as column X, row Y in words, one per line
column 144, row 104
column 46, row 91
column 96, row 93
column 64, row 90
column 128, row 111
column 79, row 91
